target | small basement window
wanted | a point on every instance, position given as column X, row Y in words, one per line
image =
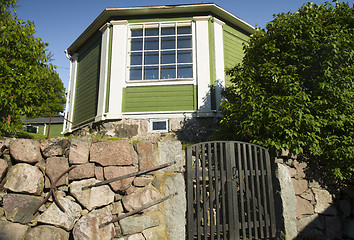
column 159, row 126
column 31, row 129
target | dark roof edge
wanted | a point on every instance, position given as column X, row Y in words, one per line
column 167, row 9
column 42, row 120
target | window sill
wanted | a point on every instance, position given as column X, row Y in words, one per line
column 160, row 82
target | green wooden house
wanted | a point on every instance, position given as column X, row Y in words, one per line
column 41, row 125
column 156, row 64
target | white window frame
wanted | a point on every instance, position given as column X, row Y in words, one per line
column 151, row 123
column 159, row 24
column 34, row 127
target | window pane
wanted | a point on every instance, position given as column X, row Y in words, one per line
column 135, row 73
column 184, row 30
column 184, row 42
column 168, row 31
column 159, row 125
column 137, row 32
column 151, row 57
column 184, row 56
column 136, row 58
column 185, row 71
column 168, row 57
column 168, row 72
column 168, row 43
column 152, row 43
column 136, row 44
column 151, row 32
column 151, row 73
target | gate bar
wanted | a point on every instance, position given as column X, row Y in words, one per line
column 129, row 175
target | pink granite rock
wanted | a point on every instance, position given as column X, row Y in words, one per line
column 20, row 207
column 115, row 171
column 113, row 153
column 55, row 166
column 24, row 178
column 25, row 150
column 79, row 151
column 142, row 181
column 3, row 167
column 303, row 207
column 146, row 154
column 99, row 173
column 140, row 198
column 54, row 146
column 82, row 171
column 300, row 186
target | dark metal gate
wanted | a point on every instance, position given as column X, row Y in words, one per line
column 229, row 191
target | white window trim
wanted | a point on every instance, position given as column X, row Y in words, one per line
column 34, row 127
column 151, row 122
column 203, row 67
column 70, row 101
column 154, row 82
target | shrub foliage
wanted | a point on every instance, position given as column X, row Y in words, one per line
column 294, row 88
column 29, row 83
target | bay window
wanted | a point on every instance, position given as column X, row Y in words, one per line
column 160, row 51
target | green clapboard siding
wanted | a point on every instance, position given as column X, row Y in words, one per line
column 233, row 47
column 87, row 82
column 55, row 130
column 212, row 63
column 159, row 98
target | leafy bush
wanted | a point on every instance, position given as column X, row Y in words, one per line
column 29, row 83
column 294, row 88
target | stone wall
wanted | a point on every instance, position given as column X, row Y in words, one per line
column 310, row 207
column 313, row 207
column 77, row 213
column 183, row 129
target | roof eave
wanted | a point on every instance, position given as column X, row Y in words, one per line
column 169, row 9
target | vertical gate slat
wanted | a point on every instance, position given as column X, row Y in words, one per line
column 258, row 176
column 211, row 195
column 241, row 174
column 229, row 191
column 248, row 197
column 223, row 192
column 216, row 173
column 198, row 203
column 254, row 199
column 234, row 178
column 190, row 194
column 205, row 215
column 270, row 193
column 264, row 193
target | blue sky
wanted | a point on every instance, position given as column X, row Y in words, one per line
column 60, row 22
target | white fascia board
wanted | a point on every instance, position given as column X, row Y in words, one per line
column 72, row 82
column 118, row 66
column 203, row 63
column 219, row 60
column 68, row 99
column 104, row 72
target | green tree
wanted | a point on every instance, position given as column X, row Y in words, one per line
column 29, row 83
column 294, row 88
